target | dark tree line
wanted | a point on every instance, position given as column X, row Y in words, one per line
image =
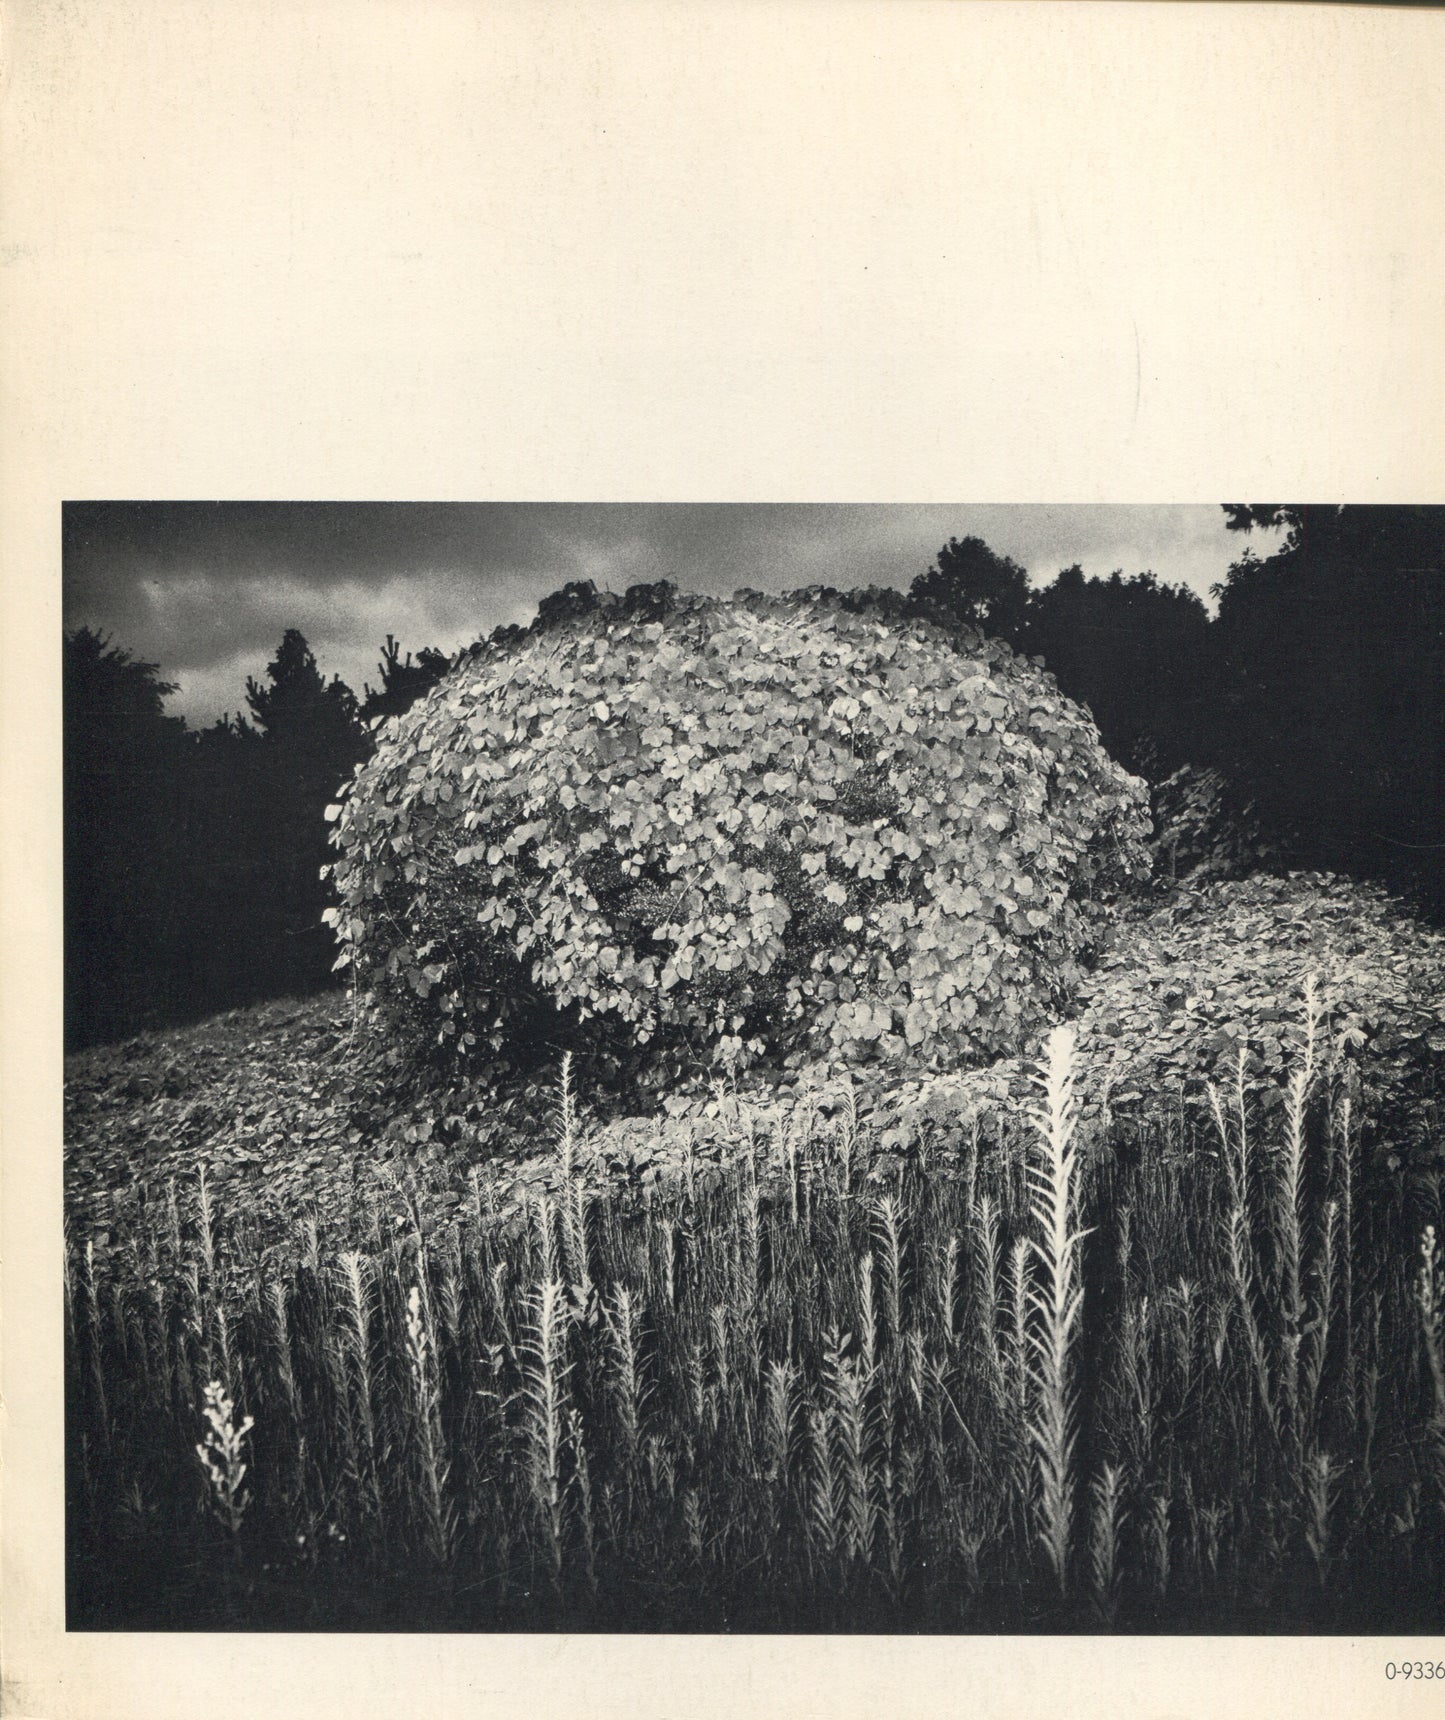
column 193, row 860
column 1133, row 650
column 1317, row 692
column 1330, row 659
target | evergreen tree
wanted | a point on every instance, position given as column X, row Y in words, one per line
column 403, row 681
column 310, row 739
column 295, row 708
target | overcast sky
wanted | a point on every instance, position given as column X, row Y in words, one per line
column 207, row 589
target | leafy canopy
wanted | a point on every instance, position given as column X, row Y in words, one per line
column 685, row 834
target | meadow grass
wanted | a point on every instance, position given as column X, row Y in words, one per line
column 1130, row 1376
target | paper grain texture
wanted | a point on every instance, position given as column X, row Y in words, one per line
column 772, row 251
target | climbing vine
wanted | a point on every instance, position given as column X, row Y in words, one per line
column 696, row 833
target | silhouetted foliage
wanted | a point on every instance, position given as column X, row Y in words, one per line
column 1135, row 652
column 970, row 583
column 1131, row 650
column 577, row 598
column 311, row 739
column 193, row 861
column 1317, row 695
column 124, row 924
column 295, row 708
column 1330, row 661
column 403, row 681
column 237, row 947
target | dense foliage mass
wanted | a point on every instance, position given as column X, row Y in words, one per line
column 1216, row 975
column 1303, row 727
column 1207, row 987
column 682, row 834
column 1204, row 832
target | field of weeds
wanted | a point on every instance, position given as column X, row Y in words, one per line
column 1174, row 1370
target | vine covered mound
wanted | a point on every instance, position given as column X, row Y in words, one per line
column 684, row 835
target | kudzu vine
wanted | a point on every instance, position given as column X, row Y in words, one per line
column 693, row 834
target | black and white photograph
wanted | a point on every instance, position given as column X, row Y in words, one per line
column 722, row 859
column 754, row 1068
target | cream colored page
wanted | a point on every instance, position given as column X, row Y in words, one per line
column 778, row 251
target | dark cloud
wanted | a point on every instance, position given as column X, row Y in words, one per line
column 206, row 589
